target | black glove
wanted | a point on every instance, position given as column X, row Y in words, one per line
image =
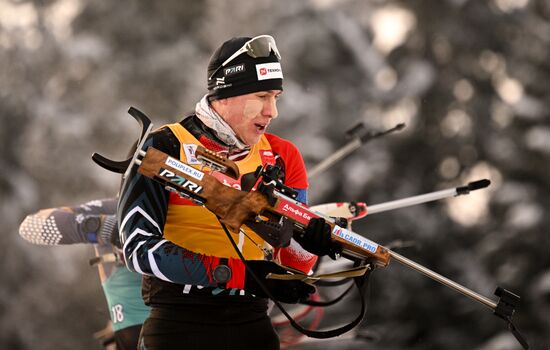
column 289, row 292
column 316, row 239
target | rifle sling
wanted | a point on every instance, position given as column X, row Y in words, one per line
column 360, row 282
column 328, row 302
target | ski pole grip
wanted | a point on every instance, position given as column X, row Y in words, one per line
column 472, row 186
column 476, row 185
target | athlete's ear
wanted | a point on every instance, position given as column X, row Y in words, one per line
column 220, row 106
column 221, row 101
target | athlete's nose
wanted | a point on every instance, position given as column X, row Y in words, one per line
column 270, row 107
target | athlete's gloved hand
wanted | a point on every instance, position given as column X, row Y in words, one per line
column 316, row 239
column 286, row 291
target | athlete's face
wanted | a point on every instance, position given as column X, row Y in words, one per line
column 249, row 115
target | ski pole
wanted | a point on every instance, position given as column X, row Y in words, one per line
column 360, row 136
column 356, row 210
column 429, row 197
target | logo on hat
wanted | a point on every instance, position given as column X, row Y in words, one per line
column 240, row 68
column 220, row 84
column 267, row 71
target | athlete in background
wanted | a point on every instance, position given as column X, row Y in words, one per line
column 95, row 223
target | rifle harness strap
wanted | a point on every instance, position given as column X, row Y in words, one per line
column 359, row 281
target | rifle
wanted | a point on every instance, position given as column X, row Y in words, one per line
column 267, row 204
column 273, row 213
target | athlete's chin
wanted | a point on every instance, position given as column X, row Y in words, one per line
column 251, row 140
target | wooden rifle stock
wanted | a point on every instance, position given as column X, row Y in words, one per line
column 232, row 206
column 235, row 207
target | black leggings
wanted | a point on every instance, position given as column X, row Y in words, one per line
column 127, row 338
column 208, row 327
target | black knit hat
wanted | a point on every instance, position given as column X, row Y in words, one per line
column 244, row 74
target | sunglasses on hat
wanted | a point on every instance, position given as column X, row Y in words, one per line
column 259, row 46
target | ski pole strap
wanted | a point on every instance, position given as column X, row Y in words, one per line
column 359, row 281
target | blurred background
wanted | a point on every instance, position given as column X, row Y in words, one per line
column 469, row 78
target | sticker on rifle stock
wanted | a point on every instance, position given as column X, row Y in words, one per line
column 184, row 168
column 355, row 239
column 294, row 211
column 180, row 181
column 189, row 150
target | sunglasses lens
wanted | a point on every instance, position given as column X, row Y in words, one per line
column 262, row 47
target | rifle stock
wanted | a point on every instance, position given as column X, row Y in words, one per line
column 235, row 208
